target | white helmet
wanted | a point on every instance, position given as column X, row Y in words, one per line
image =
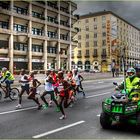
column 4, row 69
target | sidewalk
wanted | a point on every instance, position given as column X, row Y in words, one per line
column 86, row 76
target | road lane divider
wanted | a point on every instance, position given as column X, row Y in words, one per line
column 57, row 130
column 18, row 110
column 97, row 95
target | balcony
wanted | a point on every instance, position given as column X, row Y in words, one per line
column 87, row 55
column 52, row 20
column 20, row 52
column 38, row 32
column 64, row 37
column 4, row 51
column 64, row 23
column 20, row 10
column 37, row 53
column 51, row 54
column 52, row 35
column 4, row 5
column 79, row 56
column 4, row 24
column 52, row 5
column 104, row 56
column 38, row 15
column 95, row 55
column 72, row 56
column 65, row 10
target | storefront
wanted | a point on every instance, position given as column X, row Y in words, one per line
column 4, row 62
column 37, row 64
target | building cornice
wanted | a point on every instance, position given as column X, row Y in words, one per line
column 105, row 13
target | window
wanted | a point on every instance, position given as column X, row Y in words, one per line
column 95, row 52
column 87, row 52
column 52, row 34
column 79, row 45
column 87, row 44
column 103, row 18
column 87, row 36
column 36, row 31
column 87, row 28
column 3, row 44
column 20, row 10
column 104, row 34
column 103, row 25
column 51, row 50
column 4, row 24
column 95, row 27
column 79, row 36
column 95, row 43
column 104, row 43
column 103, row 51
column 86, row 21
column 37, row 15
column 95, row 19
column 63, row 37
column 37, row 48
column 95, row 35
column 79, row 52
column 20, row 46
column 20, row 28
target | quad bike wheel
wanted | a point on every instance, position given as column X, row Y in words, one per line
column 105, row 120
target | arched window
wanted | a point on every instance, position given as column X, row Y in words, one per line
column 80, row 64
column 73, row 65
column 87, row 65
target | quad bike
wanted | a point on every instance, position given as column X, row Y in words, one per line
column 120, row 108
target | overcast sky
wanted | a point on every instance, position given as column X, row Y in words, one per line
column 128, row 10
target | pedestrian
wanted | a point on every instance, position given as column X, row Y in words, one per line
column 117, row 70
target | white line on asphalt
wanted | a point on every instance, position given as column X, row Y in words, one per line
column 13, row 111
column 58, row 129
column 98, row 115
column 100, row 82
column 97, row 95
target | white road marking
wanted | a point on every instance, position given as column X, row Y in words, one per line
column 98, row 115
column 97, row 95
column 58, row 129
column 18, row 110
column 100, row 82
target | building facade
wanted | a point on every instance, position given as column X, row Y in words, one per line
column 104, row 39
column 36, row 35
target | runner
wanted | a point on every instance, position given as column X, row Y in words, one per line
column 24, row 87
column 33, row 90
column 55, row 85
column 49, row 89
column 64, row 88
column 78, row 79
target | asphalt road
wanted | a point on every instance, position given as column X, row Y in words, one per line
column 82, row 120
